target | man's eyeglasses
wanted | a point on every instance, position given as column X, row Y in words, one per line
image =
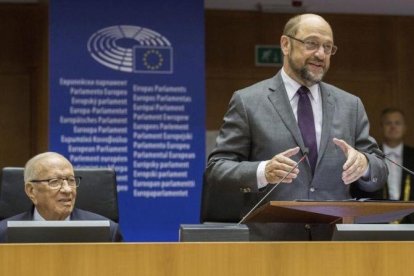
column 314, row 45
column 57, row 183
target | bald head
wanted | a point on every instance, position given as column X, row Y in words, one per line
column 307, row 45
column 306, row 21
column 41, row 162
column 53, row 202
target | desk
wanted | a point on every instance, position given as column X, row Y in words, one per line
column 253, row 259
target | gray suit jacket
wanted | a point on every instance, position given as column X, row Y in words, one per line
column 260, row 123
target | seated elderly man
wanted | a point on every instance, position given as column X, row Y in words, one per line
column 51, row 184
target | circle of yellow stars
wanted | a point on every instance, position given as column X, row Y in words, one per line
column 146, row 61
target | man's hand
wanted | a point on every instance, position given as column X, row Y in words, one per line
column 280, row 165
column 356, row 163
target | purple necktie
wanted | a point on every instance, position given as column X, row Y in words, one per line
column 307, row 125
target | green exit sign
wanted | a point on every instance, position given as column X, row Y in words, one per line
column 268, row 55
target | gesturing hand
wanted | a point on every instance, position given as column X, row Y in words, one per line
column 277, row 167
column 356, row 163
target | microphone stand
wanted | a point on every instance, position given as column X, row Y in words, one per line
column 381, row 155
column 274, row 187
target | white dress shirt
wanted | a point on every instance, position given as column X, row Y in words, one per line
column 292, row 87
column 38, row 217
column 395, row 172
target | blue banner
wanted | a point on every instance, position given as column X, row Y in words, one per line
column 127, row 92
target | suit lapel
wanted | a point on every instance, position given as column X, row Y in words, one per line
column 27, row 215
column 281, row 103
column 75, row 214
column 328, row 109
column 282, row 106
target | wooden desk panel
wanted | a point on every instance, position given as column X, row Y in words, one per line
column 287, row 258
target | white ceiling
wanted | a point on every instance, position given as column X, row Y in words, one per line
column 386, row 7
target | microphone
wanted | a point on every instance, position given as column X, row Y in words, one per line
column 381, row 155
column 305, row 154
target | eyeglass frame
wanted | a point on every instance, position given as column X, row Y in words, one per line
column 333, row 49
column 61, row 181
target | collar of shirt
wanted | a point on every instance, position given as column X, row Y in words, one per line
column 292, row 87
column 38, row 217
column 396, row 151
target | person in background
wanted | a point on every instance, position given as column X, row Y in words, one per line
column 270, row 125
column 398, row 186
column 399, row 181
column 50, row 183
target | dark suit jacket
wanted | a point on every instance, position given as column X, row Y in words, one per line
column 260, row 123
column 77, row 214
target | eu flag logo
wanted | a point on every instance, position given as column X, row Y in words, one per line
column 153, row 59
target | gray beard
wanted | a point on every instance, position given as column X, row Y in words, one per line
column 308, row 77
column 304, row 74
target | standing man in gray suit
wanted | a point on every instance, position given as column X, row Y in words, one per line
column 270, row 125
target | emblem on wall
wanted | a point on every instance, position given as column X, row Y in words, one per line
column 132, row 49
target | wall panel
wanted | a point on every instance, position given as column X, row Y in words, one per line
column 21, row 28
column 374, row 60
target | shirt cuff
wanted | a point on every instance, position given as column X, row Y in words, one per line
column 367, row 174
column 260, row 174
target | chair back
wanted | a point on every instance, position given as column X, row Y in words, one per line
column 221, row 204
column 96, row 193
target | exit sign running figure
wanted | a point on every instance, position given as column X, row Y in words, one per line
column 268, row 55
